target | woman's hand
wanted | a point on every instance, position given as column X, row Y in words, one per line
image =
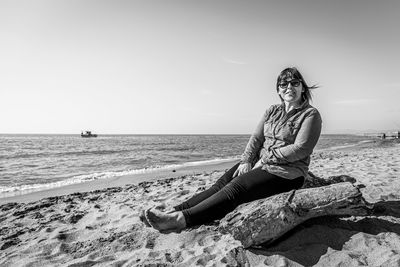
column 258, row 164
column 242, row 169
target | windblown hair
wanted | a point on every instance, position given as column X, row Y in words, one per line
column 294, row 73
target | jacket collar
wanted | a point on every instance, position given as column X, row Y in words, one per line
column 305, row 104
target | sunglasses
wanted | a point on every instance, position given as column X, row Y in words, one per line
column 294, row 83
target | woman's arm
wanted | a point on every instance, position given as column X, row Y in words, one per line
column 306, row 139
column 255, row 142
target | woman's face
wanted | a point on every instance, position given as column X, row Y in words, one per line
column 290, row 90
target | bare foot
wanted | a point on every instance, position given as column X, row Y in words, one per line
column 170, row 210
column 166, row 222
column 163, row 208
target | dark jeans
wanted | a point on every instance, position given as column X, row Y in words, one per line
column 228, row 193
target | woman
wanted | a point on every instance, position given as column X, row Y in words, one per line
column 275, row 160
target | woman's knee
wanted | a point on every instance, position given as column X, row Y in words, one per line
column 235, row 192
column 225, row 178
column 253, row 179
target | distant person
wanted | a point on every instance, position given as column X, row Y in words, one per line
column 275, row 160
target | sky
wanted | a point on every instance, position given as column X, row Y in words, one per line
column 194, row 67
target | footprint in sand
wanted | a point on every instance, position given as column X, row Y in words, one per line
column 151, row 239
column 49, row 229
column 175, row 257
column 153, row 254
column 101, row 217
column 205, row 259
column 172, row 196
column 67, row 236
column 208, row 250
column 208, row 239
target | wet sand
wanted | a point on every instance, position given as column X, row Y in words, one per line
column 120, row 181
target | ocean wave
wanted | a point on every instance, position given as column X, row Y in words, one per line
column 8, row 191
column 94, row 152
column 65, row 153
column 24, row 155
column 174, row 148
column 350, row 145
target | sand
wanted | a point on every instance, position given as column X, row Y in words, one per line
column 120, row 181
column 102, row 227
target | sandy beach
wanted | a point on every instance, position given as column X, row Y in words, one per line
column 98, row 225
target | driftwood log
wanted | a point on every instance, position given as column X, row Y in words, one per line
column 265, row 220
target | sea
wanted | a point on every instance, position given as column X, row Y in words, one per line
column 32, row 162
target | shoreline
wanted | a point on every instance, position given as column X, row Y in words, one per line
column 29, row 183
column 165, row 173
column 119, row 181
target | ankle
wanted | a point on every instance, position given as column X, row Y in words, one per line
column 180, row 218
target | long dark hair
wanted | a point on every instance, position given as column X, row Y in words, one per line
column 294, row 73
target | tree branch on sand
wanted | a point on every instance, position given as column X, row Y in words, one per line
column 265, row 220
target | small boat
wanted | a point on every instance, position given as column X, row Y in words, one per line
column 88, row 134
